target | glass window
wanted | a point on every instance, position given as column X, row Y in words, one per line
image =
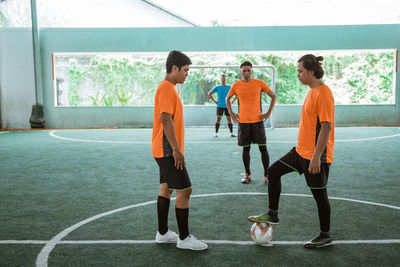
column 131, row 79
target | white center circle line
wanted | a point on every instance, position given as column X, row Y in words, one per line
column 42, row 259
column 52, row 133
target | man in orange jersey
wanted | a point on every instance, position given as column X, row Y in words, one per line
column 250, row 117
column 168, row 150
column 313, row 154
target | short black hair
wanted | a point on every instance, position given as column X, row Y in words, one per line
column 311, row 62
column 178, row 59
column 246, row 63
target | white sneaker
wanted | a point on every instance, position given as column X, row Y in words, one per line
column 168, row 237
column 191, row 242
column 215, row 135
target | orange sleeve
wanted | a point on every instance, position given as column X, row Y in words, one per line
column 326, row 106
column 232, row 91
column 166, row 101
column 265, row 87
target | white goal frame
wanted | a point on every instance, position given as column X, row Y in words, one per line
column 272, row 117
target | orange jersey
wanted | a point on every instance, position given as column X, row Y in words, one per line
column 249, row 95
column 167, row 100
column 319, row 106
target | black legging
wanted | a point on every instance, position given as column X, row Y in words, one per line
column 246, row 158
column 324, row 208
column 264, row 158
column 275, row 172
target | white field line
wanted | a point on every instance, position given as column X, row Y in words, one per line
column 368, row 139
column 45, row 252
column 4, row 132
column 97, row 141
column 52, row 133
column 297, row 195
column 23, row 242
column 42, row 258
column 216, row 242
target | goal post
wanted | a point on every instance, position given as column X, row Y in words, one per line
column 272, row 85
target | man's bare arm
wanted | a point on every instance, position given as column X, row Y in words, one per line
column 234, row 116
column 323, row 138
column 169, row 130
column 271, row 105
column 210, row 95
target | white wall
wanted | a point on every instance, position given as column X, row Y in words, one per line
column 17, row 80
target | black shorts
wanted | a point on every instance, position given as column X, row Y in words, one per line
column 249, row 133
column 221, row 111
column 170, row 175
column 292, row 161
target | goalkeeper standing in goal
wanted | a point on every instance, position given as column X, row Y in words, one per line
column 222, row 90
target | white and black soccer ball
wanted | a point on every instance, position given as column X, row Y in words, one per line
column 261, row 233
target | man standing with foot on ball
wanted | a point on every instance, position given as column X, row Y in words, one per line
column 313, row 154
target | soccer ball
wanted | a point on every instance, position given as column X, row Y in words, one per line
column 261, row 233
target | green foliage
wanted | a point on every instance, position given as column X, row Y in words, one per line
column 288, row 89
column 125, row 99
column 216, row 23
column 355, row 78
column 363, row 79
column 95, row 100
column 120, row 81
column 76, row 74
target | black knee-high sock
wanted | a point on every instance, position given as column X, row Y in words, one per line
column 182, row 217
column 246, row 158
column 264, row 158
column 162, row 211
column 230, row 127
column 217, row 127
column 324, row 208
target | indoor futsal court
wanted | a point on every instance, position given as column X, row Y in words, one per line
column 87, row 197
column 79, row 183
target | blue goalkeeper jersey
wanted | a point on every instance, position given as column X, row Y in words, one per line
column 222, row 92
